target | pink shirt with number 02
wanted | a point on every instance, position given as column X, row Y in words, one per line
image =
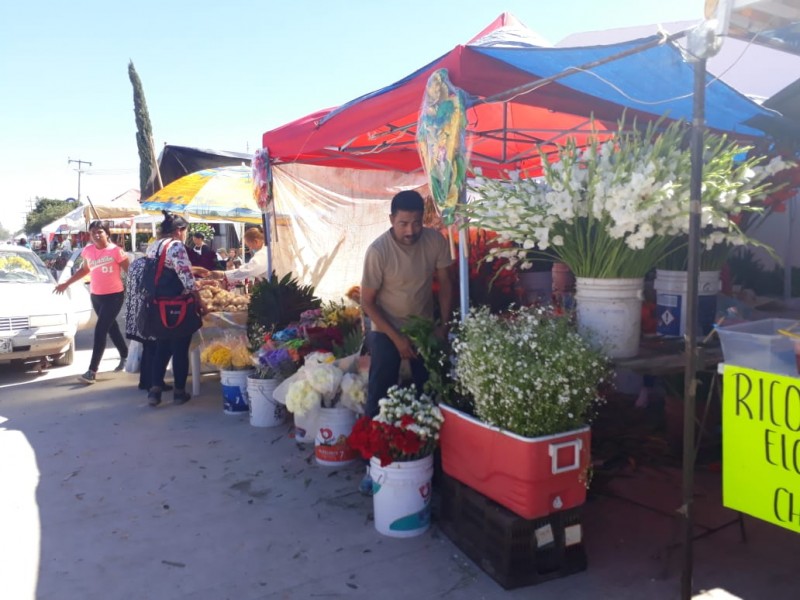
column 105, row 272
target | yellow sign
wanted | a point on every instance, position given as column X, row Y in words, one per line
column 761, row 445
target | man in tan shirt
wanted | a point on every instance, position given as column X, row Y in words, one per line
column 396, row 284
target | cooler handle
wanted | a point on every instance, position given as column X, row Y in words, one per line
column 553, row 450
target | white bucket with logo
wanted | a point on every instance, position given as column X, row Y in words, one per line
column 234, row 391
column 671, row 297
column 264, row 411
column 609, row 314
column 401, row 496
column 330, row 443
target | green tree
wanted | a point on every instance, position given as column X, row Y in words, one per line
column 46, row 211
column 144, row 131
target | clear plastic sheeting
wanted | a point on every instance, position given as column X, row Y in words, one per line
column 326, row 219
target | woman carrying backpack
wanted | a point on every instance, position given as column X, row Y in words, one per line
column 104, row 262
column 176, row 279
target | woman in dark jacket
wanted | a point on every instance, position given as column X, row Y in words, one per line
column 176, row 279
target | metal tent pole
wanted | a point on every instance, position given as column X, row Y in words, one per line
column 690, row 373
column 265, row 219
column 463, row 259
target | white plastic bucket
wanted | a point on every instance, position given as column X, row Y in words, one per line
column 671, row 288
column 305, row 427
column 264, row 411
column 537, row 286
column 609, row 314
column 234, row 391
column 330, row 442
column 401, row 496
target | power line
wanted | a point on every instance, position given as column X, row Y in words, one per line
column 79, row 170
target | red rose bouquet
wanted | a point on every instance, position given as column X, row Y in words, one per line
column 406, row 428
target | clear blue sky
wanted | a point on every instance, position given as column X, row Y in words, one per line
column 218, row 74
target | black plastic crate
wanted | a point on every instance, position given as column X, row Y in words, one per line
column 513, row 551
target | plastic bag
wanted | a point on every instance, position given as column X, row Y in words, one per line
column 134, row 361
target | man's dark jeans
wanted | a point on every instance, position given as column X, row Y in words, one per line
column 384, row 370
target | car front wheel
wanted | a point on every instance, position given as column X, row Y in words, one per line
column 65, row 359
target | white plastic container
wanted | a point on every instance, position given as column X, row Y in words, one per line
column 234, row 391
column 609, row 314
column 264, row 411
column 758, row 345
column 401, row 496
column 330, row 443
column 671, row 288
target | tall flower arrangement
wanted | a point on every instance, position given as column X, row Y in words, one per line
column 612, row 209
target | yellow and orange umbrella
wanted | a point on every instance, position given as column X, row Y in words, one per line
column 223, row 193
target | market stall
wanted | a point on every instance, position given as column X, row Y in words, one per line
column 524, row 105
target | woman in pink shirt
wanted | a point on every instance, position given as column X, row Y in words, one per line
column 105, row 261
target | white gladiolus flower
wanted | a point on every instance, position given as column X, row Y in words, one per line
column 632, row 190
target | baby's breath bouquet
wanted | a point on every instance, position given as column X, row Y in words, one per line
column 613, row 208
column 528, row 372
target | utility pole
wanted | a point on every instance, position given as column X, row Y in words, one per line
column 80, row 162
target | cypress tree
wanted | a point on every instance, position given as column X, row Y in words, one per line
column 144, row 131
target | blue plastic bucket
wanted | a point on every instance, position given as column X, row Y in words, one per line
column 671, row 287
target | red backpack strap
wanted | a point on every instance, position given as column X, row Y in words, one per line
column 162, row 257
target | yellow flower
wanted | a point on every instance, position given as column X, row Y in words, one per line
column 240, row 357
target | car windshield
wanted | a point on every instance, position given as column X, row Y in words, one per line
column 22, row 267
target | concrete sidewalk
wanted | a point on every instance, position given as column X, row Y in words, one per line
column 105, row 497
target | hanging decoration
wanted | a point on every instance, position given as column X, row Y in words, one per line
column 262, row 179
column 441, row 140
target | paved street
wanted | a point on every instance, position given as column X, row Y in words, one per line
column 105, row 497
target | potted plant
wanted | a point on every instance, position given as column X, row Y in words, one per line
column 276, row 303
column 610, row 211
column 231, row 356
column 399, row 443
column 534, row 383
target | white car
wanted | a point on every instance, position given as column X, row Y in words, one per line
column 34, row 322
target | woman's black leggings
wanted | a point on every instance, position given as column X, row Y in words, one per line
column 178, row 349
column 107, row 307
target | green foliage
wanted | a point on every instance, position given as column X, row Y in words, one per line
column 275, row 303
column 435, row 356
column 529, row 372
column 351, row 344
column 144, row 131
column 46, row 211
column 203, row 228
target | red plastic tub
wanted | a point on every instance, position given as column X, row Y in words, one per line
column 533, row 477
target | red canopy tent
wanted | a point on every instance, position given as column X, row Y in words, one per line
column 377, row 131
column 509, row 120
